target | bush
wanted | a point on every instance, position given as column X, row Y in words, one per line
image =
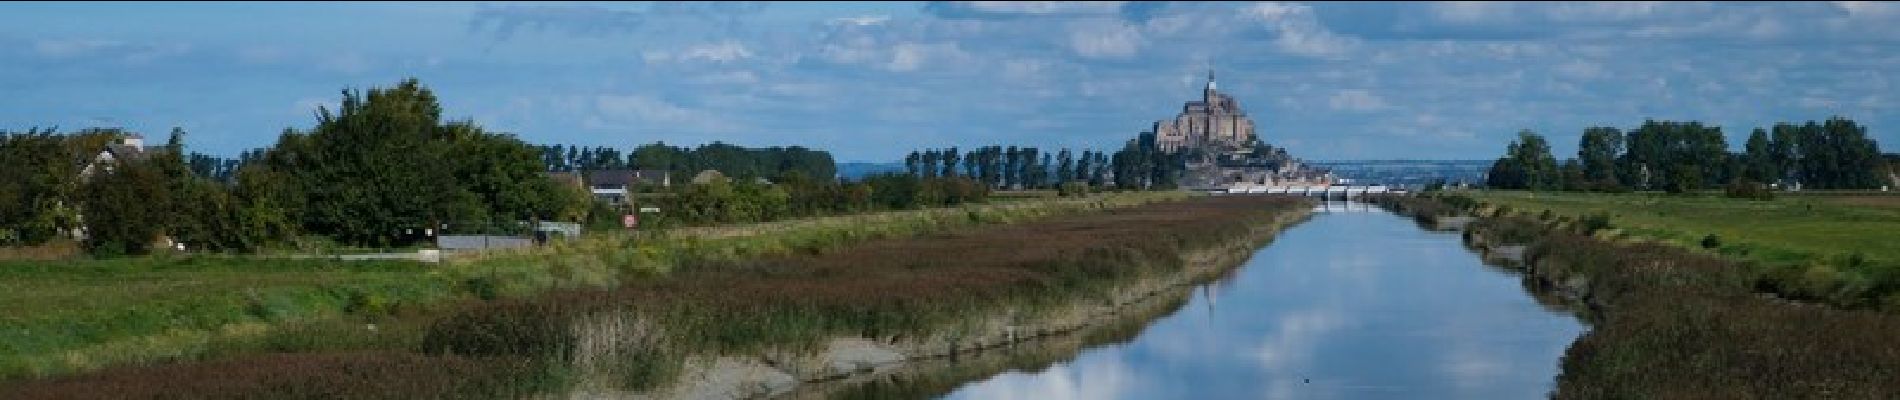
column 1711, row 241
column 1070, row 189
column 1595, row 222
column 1749, row 190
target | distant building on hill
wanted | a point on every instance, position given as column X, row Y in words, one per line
column 1216, row 122
column 1220, row 146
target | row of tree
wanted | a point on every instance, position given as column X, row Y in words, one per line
column 379, row 170
column 1681, row 156
column 735, row 161
column 1139, row 164
column 744, row 201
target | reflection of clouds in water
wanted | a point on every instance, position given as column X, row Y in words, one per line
column 1470, row 366
column 1102, row 378
column 1348, row 306
column 1292, row 343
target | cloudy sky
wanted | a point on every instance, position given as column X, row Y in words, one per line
column 871, row 81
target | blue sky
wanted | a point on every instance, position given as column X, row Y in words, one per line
column 871, row 81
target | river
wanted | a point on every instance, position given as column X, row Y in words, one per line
column 1354, row 304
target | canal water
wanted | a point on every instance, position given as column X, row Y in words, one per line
column 1356, row 303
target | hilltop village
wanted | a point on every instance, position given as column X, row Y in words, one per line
column 1218, row 144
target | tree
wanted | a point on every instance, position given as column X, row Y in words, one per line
column 383, row 166
column 1527, row 164
column 1065, row 167
column 1012, row 167
column 930, row 163
column 34, row 182
column 120, row 214
column 1782, row 153
column 1572, row 176
column 1042, row 170
column 950, row 159
column 1758, row 161
column 1598, row 151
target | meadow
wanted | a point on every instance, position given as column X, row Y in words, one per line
column 80, row 315
column 1840, row 248
column 738, row 301
column 1669, row 320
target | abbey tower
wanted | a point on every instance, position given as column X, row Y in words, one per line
column 1214, row 123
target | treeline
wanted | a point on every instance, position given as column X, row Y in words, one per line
column 1683, row 156
column 734, row 161
column 380, row 170
column 1138, row 165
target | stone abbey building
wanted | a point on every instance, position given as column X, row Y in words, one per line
column 1215, row 123
column 1220, row 149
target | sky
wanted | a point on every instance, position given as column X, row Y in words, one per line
column 873, row 81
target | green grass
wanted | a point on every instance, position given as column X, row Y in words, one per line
column 1787, row 230
column 925, row 274
column 79, row 315
column 1672, row 321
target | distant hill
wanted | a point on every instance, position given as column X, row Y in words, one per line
column 857, row 170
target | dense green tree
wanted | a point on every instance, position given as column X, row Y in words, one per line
column 1758, row 161
column 384, row 166
column 124, row 213
column 950, row 159
column 1597, row 152
column 37, row 178
column 1065, row 167
column 1527, row 164
column 1572, row 177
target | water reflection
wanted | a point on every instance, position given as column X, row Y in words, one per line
column 1353, row 304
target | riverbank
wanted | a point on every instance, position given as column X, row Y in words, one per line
column 1671, row 322
column 952, row 291
column 83, row 315
column 1831, row 248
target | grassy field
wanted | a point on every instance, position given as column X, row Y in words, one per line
column 1678, row 322
column 1787, row 230
column 637, row 329
column 80, row 315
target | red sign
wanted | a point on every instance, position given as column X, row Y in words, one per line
column 630, row 221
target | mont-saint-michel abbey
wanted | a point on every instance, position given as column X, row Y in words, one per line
column 1222, row 149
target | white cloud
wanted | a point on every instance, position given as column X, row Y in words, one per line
column 1471, row 11
column 1113, row 40
column 728, row 78
column 1580, row 69
column 721, row 52
column 1356, row 100
column 906, row 57
column 863, row 20
column 1299, row 30
column 1030, row 8
column 647, row 113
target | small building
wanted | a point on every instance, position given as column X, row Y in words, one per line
column 613, row 186
column 129, row 148
column 708, row 177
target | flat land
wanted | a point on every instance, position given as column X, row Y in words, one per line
column 884, row 287
column 77, row 315
column 1791, row 229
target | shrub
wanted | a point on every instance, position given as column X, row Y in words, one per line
column 1711, row 241
column 1749, row 190
column 1595, row 222
column 1071, row 189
